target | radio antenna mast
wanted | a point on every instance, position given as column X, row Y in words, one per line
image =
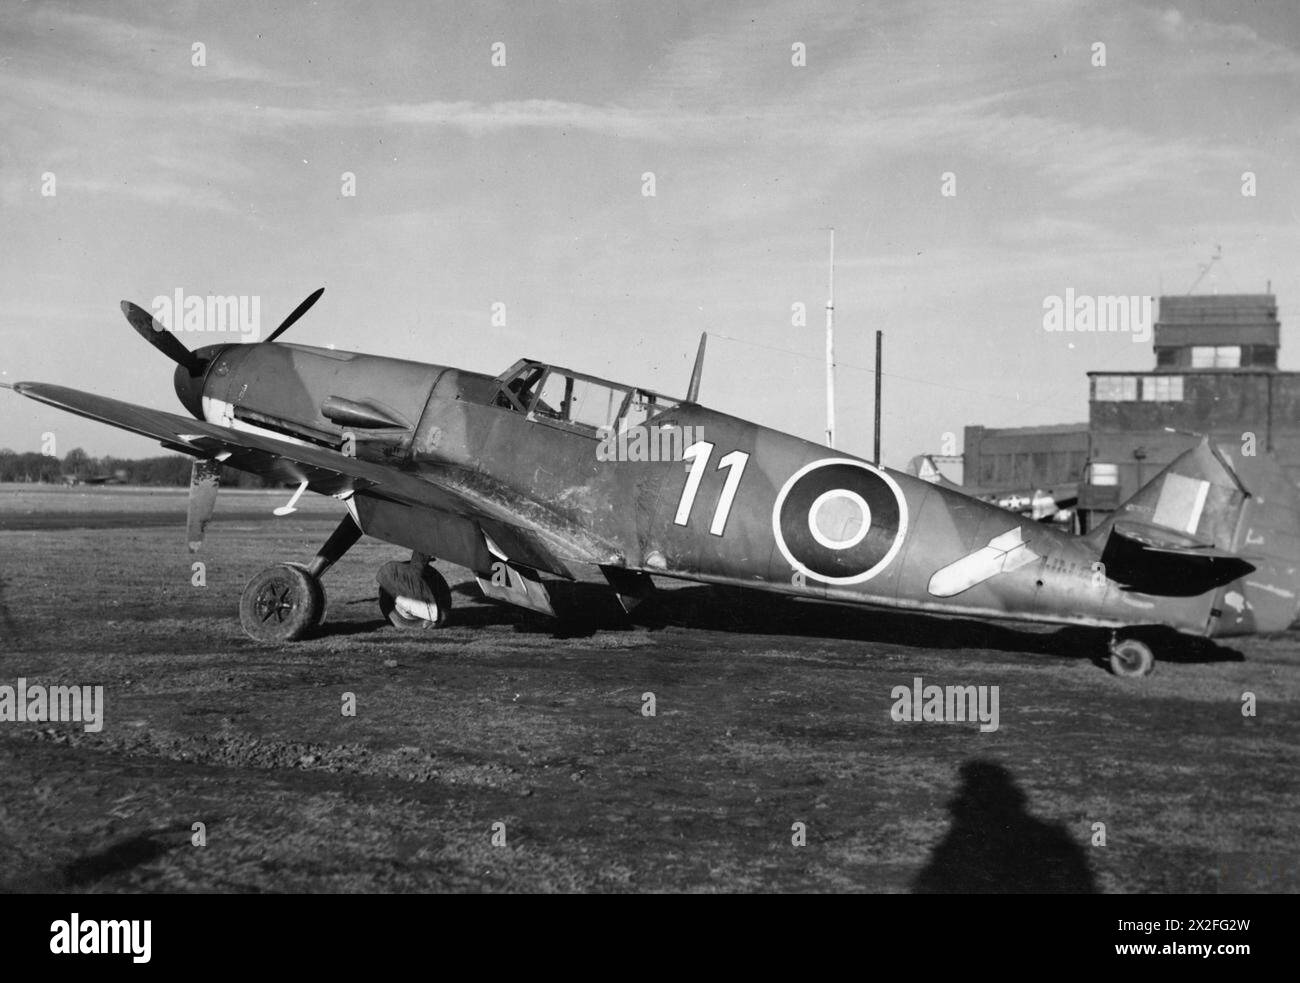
column 830, row 348
column 1205, row 268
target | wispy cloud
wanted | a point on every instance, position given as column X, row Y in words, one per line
column 152, row 47
column 555, row 115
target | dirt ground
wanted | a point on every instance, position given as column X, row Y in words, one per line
column 508, row 753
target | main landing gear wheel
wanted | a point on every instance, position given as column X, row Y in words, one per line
column 417, row 614
column 413, row 597
column 281, row 604
column 322, row 604
column 1131, row 658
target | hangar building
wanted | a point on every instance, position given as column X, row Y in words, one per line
column 1215, row 373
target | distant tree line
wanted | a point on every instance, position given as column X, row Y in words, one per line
column 77, row 465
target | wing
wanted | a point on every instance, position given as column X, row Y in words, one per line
column 526, row 532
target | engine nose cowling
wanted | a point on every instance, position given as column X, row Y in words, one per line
column 312, row 394
column 191, row 380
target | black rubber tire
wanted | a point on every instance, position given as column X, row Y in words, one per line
column 1131, row 658
column 321, row 603
column 281, row 604
column 437, row 592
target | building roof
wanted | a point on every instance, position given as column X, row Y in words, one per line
column 1049, row 428
column 1217, row 319
column 1189, row 371
column 1218, row 309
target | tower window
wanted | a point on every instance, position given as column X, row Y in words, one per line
column 1162, row 388
column 1115, row 388
column 1216, row 356
column 1103, row 474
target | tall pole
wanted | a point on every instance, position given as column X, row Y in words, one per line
column 830, row 349
column 879, row 346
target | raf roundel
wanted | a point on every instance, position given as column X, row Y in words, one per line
column 839, row 521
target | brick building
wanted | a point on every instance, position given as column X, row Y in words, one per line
column 1215, row 373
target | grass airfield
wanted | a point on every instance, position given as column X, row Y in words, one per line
column 510, row 753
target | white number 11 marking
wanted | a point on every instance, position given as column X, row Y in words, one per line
column 698, row 454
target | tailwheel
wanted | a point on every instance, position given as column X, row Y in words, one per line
column 1130, row 657
column 413, row 596
column 281, row 604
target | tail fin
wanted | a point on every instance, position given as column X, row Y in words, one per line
column 1209, row 521
column 1196, row 500
column 922, row 466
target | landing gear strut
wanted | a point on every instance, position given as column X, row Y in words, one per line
column 413, row 595
column 1130, row 657
column 284, row 602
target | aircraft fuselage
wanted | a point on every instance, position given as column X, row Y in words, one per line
column 740, row 504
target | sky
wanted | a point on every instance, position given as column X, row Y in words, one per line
column 520, row 189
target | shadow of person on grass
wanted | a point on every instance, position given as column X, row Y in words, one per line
column 996, row 847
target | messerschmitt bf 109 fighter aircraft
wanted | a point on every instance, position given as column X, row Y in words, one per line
column 542, row 472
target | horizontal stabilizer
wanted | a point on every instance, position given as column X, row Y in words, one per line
column 1151, row 561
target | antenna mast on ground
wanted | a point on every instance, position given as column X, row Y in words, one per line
column 830, row 349
column 1205, row 268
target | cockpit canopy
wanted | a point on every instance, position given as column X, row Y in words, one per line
column 561, row 397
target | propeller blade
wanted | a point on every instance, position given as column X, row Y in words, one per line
column 158, row 336
column 205, row 479
column 298, row 312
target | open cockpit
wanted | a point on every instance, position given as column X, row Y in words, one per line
column 574, row 401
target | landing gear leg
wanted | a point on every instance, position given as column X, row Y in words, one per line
column 341, row 540
column 1130, row 657
column 284, row 602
